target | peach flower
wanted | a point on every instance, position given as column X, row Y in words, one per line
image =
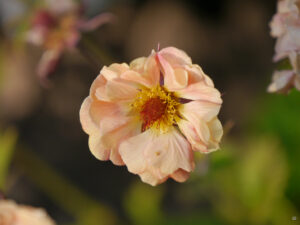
column 152, row 114
column 57, row 27
column 13, row 214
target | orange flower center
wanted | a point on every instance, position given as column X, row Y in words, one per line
column 157, row 108
column 152, row 110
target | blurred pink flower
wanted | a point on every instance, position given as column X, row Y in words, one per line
column 58, row 27
column 151, row 114
column 284, row 80
column 285, row 26
column 13, row 214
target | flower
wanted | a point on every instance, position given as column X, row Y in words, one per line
column 285, row 26
column 152, row 114
column 284, row 80
column 13, row 214
column 58, row 27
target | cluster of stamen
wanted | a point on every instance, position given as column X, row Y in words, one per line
column 157, row 108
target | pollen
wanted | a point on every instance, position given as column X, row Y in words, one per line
column 157, row 108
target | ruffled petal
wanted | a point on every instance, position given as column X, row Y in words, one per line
column 113, row 131
column 144, row 71
column 114, row 70
column 203, row 136
column 196, row 75
column 152, row 177
column 97, row 147
column 87, row 123
column 175, row 56
column 199, row 91
column 180, row 175
column 169, row 152
column 202, row 109
column 216, row 133
column 197, row 133
column 164, row 152
column 117, row 89
column 93, row 112
column 138, row 64
column 174, row 79
column 132, row 153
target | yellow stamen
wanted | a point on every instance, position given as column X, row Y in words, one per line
column 157, row 108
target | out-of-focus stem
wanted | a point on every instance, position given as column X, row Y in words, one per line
column 99, row 54
column 85, row 210
column 7, row 146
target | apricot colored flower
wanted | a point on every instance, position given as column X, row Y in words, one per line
column 285, row 26
column 152, row 114
column 58, row 27
column 13, row 214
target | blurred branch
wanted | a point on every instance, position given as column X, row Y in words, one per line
column 83, row 207
column 93, row 52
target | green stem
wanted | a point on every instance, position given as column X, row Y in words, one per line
column 84, row 208
column 95, row 50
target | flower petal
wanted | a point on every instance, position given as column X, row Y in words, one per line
column 97, row 148
column 152, row 177
column 204, row 110
column 165, row 152
column 196, row 75
column 87, row 123
column 133, row 152
column 98, row 86
column 173, row 79
column 96, row 22
column 114, row 70
column 281, row 81
column 169, row 152
column 117, row 90
column 175, row 56
column 197, row 134
column 297, row 82
column 144, row 71
column 93, row 112
column 112, row 132
column 199, row 91
column 216, row 133
column 287, row 43
column 180, row 175
column 204, row 136
column 47, row 65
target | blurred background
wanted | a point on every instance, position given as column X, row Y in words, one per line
column 44, row 157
